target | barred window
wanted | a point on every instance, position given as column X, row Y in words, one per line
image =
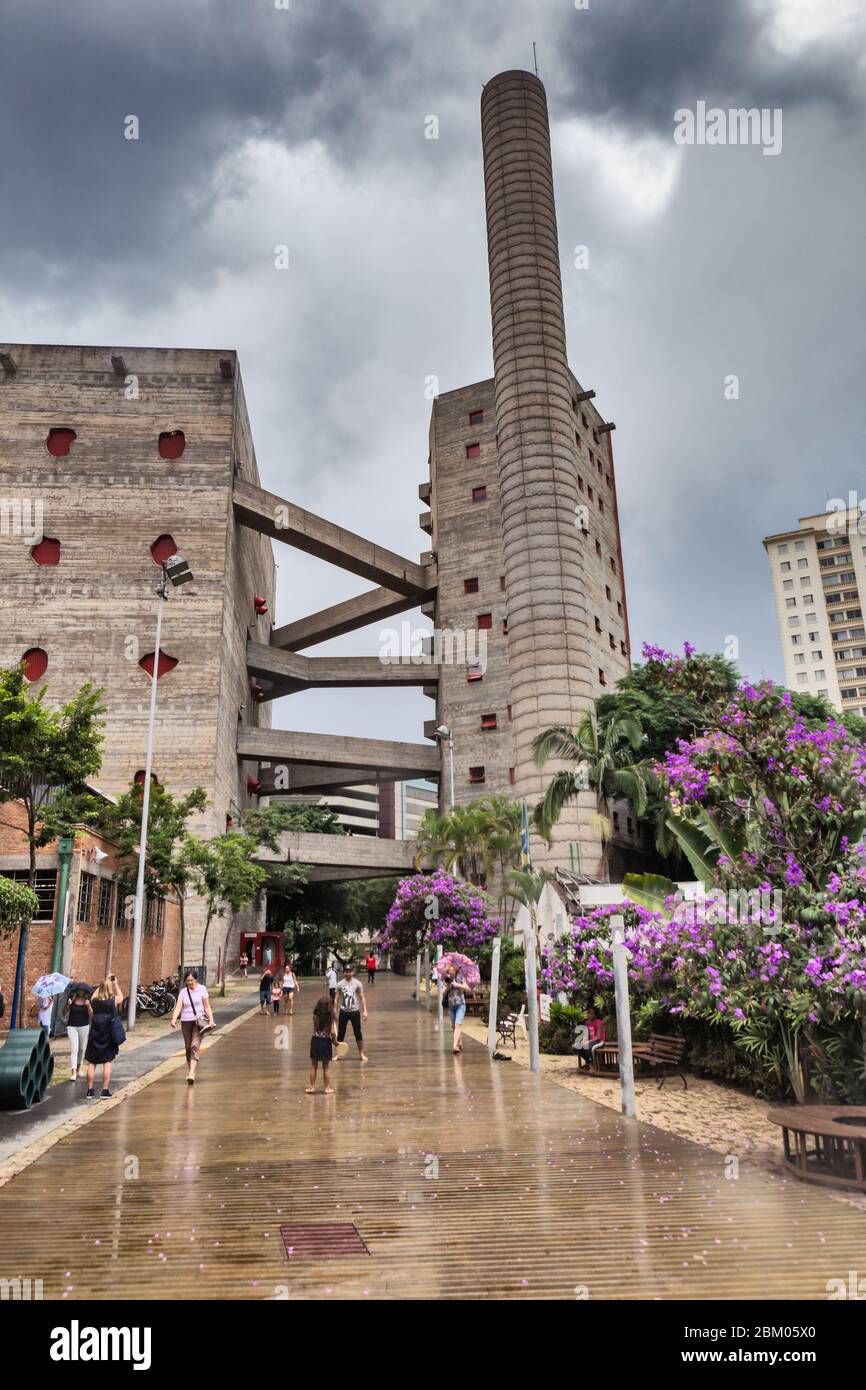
column 120, row 918
column 103, row 916
column 148, row 918
column 44, row 886
column 85, row 897
column 160, row 917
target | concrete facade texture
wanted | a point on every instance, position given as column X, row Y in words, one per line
column 107, row 500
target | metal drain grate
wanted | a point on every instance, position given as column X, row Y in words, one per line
column 322, row 1242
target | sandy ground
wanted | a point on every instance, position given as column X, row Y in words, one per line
column 720, row 1117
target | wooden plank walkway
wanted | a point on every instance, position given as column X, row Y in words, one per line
column 464, row 1178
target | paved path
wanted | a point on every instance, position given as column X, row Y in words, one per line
column 463, row 1178
column 22, row 1127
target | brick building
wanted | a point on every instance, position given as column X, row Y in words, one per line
column 97, row 934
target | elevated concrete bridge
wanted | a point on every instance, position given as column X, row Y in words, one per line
column 341, row 857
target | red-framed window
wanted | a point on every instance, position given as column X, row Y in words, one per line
column 484, row 622
column 470, row 586
column 476, row 417
column 476, row 774
column 488, row 721
column 479, row 492
column 473, row 451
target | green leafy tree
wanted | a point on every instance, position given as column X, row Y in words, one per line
column 18, row 906
column 602, row 757
column 46, row 758
column 226, row 875
column 168, row 863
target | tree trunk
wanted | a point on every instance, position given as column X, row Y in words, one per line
column 222, row 982
column 25, row 930
column 204, row 938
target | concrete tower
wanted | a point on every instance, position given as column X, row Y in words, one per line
column 552, row 664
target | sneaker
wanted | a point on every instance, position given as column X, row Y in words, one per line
column 105, row 1095
column 91, row 1095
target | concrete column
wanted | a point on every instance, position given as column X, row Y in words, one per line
column 550, row 654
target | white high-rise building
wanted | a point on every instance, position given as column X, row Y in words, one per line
column 819, row 575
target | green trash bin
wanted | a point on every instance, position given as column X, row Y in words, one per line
column 26, row 1067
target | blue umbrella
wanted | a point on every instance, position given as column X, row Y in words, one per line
column 55, row 983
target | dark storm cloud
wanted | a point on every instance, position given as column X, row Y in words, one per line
column 199, row 76
column 638, row 60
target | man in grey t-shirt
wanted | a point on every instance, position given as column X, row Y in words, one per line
column 353, row 1006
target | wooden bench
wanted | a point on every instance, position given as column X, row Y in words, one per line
column 478, row 1003
column 507, row 1027
column 837, row 1155
column 663, row 1054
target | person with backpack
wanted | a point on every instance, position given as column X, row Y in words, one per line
column 196, row 1018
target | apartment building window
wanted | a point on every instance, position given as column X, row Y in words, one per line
column 488, row 721
column 601, row 679
column 479, row 493
column 787, row 583
column 473, row 451
column 612, row 640
column 476, row 774
column 802, row 677
column 44, row 886
column 785, row 566
column 793, row 622
column 474, row 675
column 512, row 776
column 622, row 648
column 800, row 659
column 805, row 581
column 790, row 603
column 85, row 897
column 470, row 586
column 484, row 622
column 820, row 675
column 796, row 641
column 808, row 600
column 608, row 595
column 813, row 636
column 598, row 624
column 783, row 549
column 799, row 545
column 802, row 564
column 103, row 915
column 476, row 417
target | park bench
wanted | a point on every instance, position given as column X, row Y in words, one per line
column 662, row 1054
column 507, row 1027
column 837, row 1153
column 477, row 1004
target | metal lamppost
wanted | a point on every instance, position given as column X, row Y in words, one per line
column 445, row 735
column 175, row 571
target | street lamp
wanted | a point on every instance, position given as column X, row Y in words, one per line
column 444, row 735
column 175, row 571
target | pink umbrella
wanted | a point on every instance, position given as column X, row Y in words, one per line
column 463, row 965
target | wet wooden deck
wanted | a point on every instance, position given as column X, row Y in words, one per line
column 464, row 1178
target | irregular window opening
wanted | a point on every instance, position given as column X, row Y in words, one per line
column 35, row 663
column 47, row 552
column 60, row 440
column 166, row 663
column 171, row 444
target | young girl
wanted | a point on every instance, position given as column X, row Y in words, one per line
column 321, row 1045
column 276, row 994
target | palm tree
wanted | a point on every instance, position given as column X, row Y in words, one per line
column 601, row 760
column 527, row 886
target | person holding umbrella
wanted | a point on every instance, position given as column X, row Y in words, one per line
column 45, row 989
column 77, row 1024
column 458, row 976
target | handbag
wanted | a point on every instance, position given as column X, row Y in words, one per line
column 118, row 1033
column 201, row 1019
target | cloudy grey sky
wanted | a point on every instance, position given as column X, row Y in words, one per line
column 305, row 126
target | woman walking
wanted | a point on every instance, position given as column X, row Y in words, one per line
column 106, row 1035
column 455, row 990
column 290, row 988
column 78, row 1028
column 194, row 1011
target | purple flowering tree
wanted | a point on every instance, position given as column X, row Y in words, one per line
column 437, row 909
